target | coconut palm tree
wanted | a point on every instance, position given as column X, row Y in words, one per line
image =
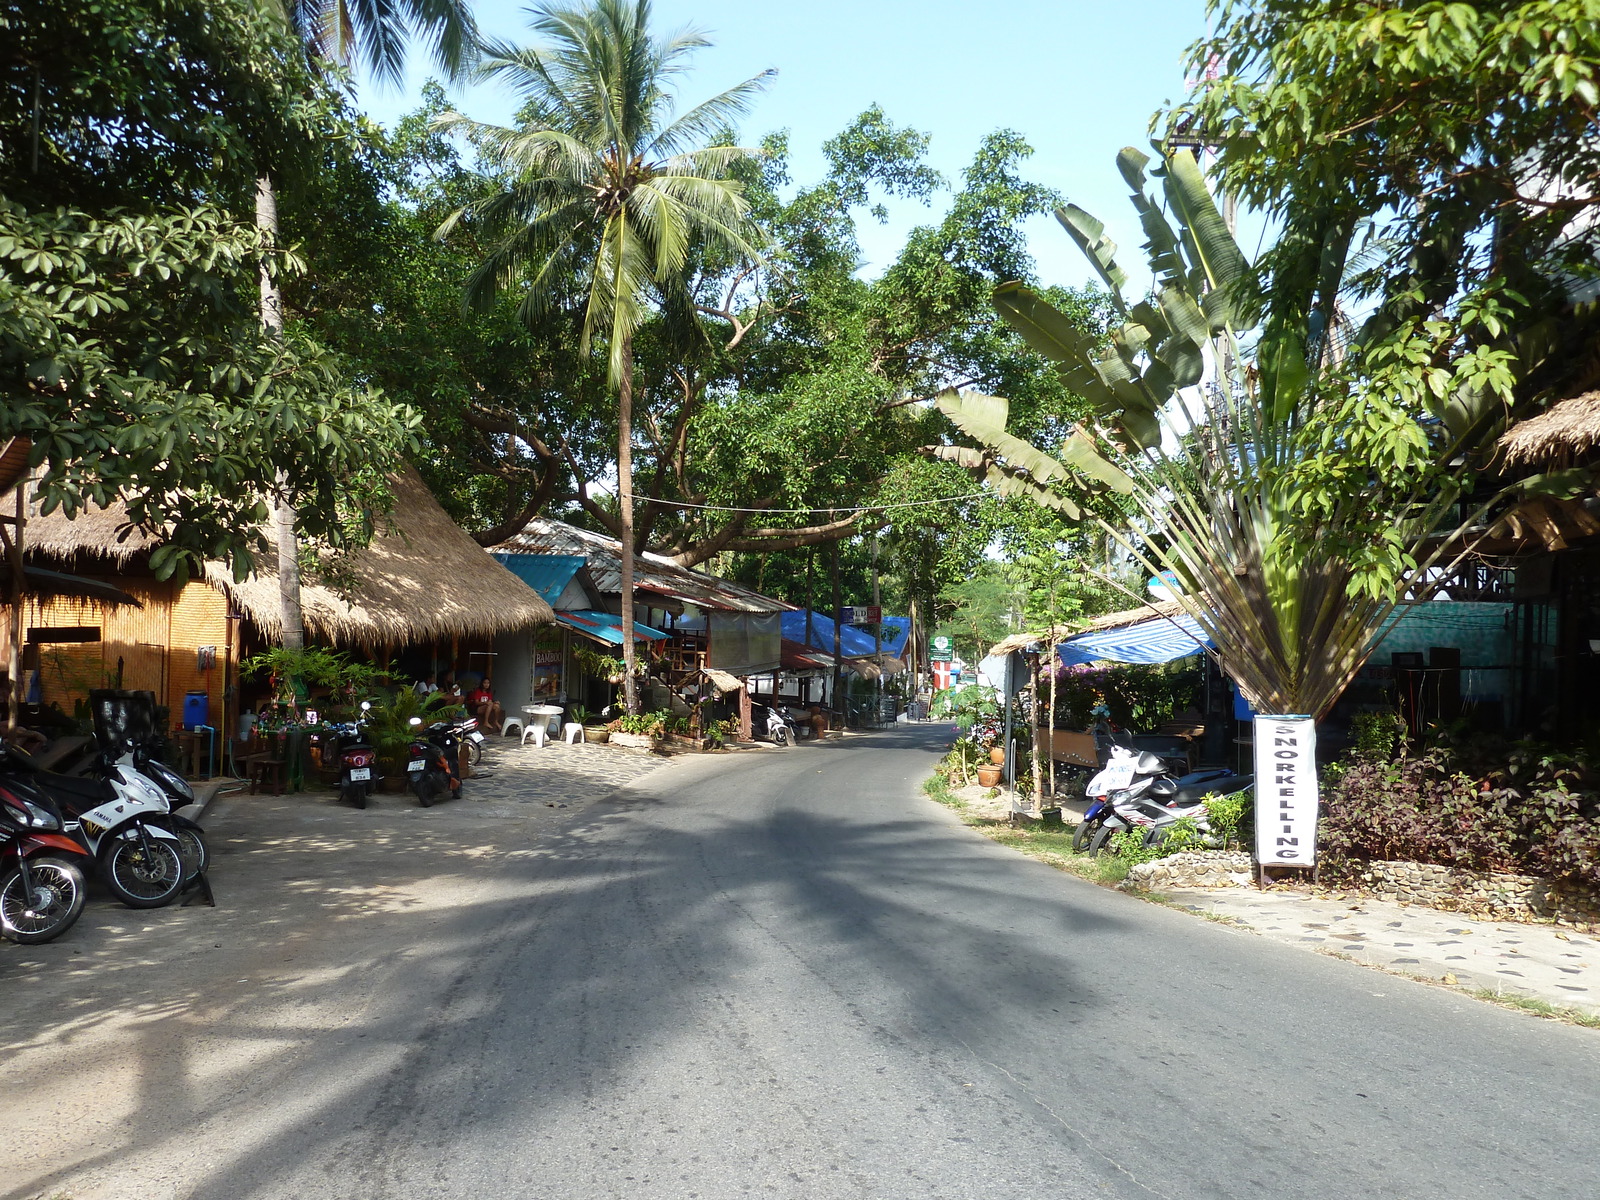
column 604, row 184
column 343, row 31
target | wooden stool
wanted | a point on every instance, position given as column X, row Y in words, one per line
column 265, row 768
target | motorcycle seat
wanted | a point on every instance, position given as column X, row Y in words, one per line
column 1192, row 789
column 73, row 791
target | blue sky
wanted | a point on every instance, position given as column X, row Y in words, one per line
column 1077, row 79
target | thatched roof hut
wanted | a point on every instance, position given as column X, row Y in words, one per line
column 1562, row 436
column 421, row 578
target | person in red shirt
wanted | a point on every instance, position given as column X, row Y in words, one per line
column 482, row 702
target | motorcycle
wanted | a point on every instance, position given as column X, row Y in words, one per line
column 780, row 727
column 1138, row 789
column 41, row 882
column 358, row 761
column 121, row 828
column 139, row 772
column 433, row 763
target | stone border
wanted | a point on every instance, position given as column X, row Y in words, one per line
column 1192, row 868
column 1496, row 894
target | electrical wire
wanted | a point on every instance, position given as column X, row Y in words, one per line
column 825, row 508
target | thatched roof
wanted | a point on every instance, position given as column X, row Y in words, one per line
column 421, row 578
column 1558, row 437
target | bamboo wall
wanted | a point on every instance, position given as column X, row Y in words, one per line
column 156, row 647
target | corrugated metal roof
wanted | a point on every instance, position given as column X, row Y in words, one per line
column 652, row 572
column 547, row 574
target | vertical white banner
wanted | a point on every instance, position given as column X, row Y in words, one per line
column 1286, row 791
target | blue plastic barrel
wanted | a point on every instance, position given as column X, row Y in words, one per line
column 196, row 710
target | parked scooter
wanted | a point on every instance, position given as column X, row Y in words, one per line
column 357, row 757
column 41, row 871
column 124, row 830
column 780, row 727
column 1136, row 789
column 139, row 772
column 433, row 763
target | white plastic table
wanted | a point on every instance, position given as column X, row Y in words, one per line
column 541, row 724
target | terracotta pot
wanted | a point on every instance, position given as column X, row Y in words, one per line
column 596, row 733
column 998, row 756
column 988, row 776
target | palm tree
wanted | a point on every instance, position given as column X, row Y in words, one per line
column 605, row 185
column 341, row 31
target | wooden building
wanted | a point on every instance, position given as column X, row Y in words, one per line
column 422, row 580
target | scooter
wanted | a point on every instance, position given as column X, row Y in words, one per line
column 433, row 764
column 41, row 871
column 123, row 829
column 1136, row 788
column 358, row 760
column 140, row 773
column 781, row 727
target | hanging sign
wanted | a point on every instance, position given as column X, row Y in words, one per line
column 861, row 614
column 1286, row 791
column 940, row 650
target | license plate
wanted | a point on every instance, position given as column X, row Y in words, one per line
column 360, row 773
column 416, row 764
column 475, row 736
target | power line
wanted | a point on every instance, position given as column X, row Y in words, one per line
column 825, row 508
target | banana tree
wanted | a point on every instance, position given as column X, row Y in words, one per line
column 1296, row 498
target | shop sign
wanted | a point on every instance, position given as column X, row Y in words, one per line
column 1286, row 791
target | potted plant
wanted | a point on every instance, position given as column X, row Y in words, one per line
column 640, row 731
column 389, row 725
column 594, row 730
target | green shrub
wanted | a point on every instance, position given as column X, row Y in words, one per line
column 1226, row 814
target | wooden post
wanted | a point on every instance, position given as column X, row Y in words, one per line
column 18, row 590
column 838, row 653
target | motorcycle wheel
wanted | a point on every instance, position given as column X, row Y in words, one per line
column 1101, row 836
column 426, row 787
column 192, row 849
column 142, row 872
column 58, row 891
column 1084, row 833
column 471, row 752
column 781, row 737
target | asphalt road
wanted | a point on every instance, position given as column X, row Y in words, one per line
column 780, row 975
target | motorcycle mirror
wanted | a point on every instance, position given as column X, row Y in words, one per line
column 366, row 706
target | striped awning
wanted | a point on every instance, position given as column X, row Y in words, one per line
column 1156, row 640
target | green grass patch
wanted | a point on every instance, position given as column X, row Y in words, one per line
column 1050, row 844
column 1536, row 1007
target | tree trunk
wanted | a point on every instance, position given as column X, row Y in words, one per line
column 293, row 637
column 630, row 654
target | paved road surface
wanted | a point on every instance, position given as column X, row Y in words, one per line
column 786, row 975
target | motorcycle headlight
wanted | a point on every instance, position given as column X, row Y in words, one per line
column 28, row 814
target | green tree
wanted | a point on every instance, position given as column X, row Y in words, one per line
column 1295, row 507
column 603, row 181
column 336, row 32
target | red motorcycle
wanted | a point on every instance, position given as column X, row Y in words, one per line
column 41, row 881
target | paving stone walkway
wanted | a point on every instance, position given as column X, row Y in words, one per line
column 1548, row 962
column 556, row 774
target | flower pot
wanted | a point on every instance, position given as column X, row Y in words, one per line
column 596, row 733
column 634, row 741
column 998, row 756
column 988, row 776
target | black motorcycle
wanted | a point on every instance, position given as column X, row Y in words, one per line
column 433, row 762
column 358, row 761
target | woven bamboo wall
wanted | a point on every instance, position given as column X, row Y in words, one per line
column 154, row 647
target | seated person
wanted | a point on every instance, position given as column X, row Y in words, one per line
column 425, row 686
column 487, row 709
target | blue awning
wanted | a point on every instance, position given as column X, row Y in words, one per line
column 605, row 626
column 1158, row 640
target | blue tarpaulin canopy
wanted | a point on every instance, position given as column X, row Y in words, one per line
column 1157, row 640
column 605, row 626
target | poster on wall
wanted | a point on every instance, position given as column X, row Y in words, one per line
column 1286, row 791
column 547, row 662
